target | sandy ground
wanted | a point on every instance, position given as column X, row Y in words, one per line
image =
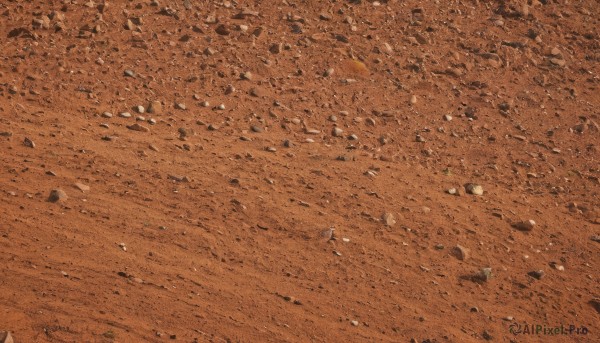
column 207, row 220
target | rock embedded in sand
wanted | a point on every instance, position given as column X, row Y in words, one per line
column 155, row 107
column 6, row 337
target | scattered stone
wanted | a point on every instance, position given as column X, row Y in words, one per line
column 57, row 195
column 527, row 225
column 107, row 115
column 140, row 109
column 180, row 106
column 452, row 191
column 354, row 323
column 461, row 252
column 595, row 238
column 28, row 143
column 129, row 73
column 328, row 72
column 557, row 266
column 125, row 115
column 474, row 189
column 388, row 219
column 538, row 274
column 413, row 99
column 256, row 129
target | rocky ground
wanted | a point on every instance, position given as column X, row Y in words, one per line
column 299, row 170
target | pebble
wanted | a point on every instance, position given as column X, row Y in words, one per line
column 328, row 72
column 155, row 107
column 452, row 191
column 107, row 115
column 337, row 132
column 140, row 109
column 354, row 323
column 181, row 106
column 388, row 219
column 57, row 195
column 328, row 234
column 129, row 73
column 413, row 99
column 353, row 137
column 474, row 189
column 205, row 104
column 221, row 107
column 256, row 129
column 485, row 274
column 538, row 274
column 526, row 225
column 461, row 252
column 28, row 143
column 447, row 117
column 125, row 115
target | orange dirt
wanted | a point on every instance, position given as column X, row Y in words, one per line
column 207, row 223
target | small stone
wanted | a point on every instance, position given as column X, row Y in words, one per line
column 140, row 109
column 180, row 106
column 485, row 274
column 221, row 107
column 82, row 187
column 538, row 274
column 447, row 117
column 129, row 73
column 354, row 323
column 107, row 115
column 256, row 129
column 353, row 137
column 388, row 219
column 526, row 225
column 138, row 127
column 474, row 189
column 452, row 191
column 205, row 104
column 57, row 195
column 28, row 143
column 125, row 115
column 328, row 234
column 595, row 303
column 461, row 252
column 557, row 266
column 419, row 139
column 328, row 72
column 246, row 76
column 212, row 127
column 155, row 107
column 413, row 99
column 337, row 132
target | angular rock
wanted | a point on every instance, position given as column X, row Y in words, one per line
column 155, row 107
column 138, row 127
column 474, row 189
column 461, row 252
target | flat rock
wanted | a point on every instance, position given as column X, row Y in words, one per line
column 138, row 127
column 82, row 187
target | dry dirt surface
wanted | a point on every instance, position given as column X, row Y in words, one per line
column 299, row 171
